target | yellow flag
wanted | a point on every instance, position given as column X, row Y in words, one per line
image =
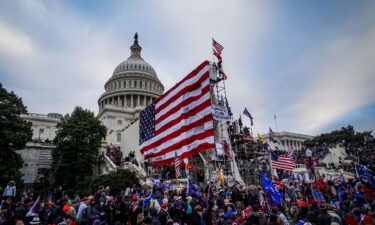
column 261, row 139
column 220, row 177
column 106, row 139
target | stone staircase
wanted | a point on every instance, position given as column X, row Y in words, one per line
column 45, row 159
column 108, row 166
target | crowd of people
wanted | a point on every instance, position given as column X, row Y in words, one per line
column 320, row 202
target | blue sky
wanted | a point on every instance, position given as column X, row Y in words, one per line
column 309, row 62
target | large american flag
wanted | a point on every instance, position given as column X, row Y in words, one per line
column 180, row 121
column 282, row 162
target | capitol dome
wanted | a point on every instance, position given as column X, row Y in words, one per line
column 133, row 85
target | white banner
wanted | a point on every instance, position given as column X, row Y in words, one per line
column 219, row 149
column 220, row 113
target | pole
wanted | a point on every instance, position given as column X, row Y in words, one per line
column 274, row 117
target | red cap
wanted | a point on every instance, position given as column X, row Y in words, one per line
column 302, row 204
column 134, row 198
column 66, row 208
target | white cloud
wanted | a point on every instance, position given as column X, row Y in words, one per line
column 14, row 43
column 67, row 57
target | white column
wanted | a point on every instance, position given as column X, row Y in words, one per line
column 131, row 101
column 138, row 100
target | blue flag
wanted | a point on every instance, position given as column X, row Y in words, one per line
column 147, row 201
column 271, row 189
column 317, row 195
column 364, row 173
column 341, row 193
column 247, row 113
column 194, row 191
column 155, row 181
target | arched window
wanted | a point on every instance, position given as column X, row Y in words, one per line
column 135, row 83
column 119, row 84
column 124, row 84
column 140, row 84
column 115, row 85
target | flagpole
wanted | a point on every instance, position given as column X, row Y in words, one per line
column 274, row 117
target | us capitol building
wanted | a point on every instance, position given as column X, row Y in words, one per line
column 133, row 85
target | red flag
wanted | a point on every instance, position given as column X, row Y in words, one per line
column 226, row 150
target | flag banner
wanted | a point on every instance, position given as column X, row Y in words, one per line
column 220, row 178
column 151, row 201
column 220, row 113
column 33, row 210
column 282, row 162
column 217, row 47
column 177, row 163
column 227, row 150
column 271, row 133
column 247, row 113
column 219, row 149
column 317, row 195
column 217, row 56
column 364, row 173
column 180, row 121
column 194, row 191
column 261, row 139
column 155, row 181
column 290, row 152
column 271, row 189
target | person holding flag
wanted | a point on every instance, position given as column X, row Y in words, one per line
column 272, row 135
column 270, row 188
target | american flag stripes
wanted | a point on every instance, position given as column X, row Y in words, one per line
column 180, row 121
column 218, row 56
column 282, row 162
column 218, row 47
column 177, row 164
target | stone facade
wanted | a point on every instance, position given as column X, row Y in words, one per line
column 133, row 86
column 287, row 139
column 37, row 153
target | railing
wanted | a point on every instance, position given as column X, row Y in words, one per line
column 109, row 166
column 139, row 171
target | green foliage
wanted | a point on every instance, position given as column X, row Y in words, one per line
column 14, row 134
column 117, row 181
column 345, row 136
column 77, row 147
